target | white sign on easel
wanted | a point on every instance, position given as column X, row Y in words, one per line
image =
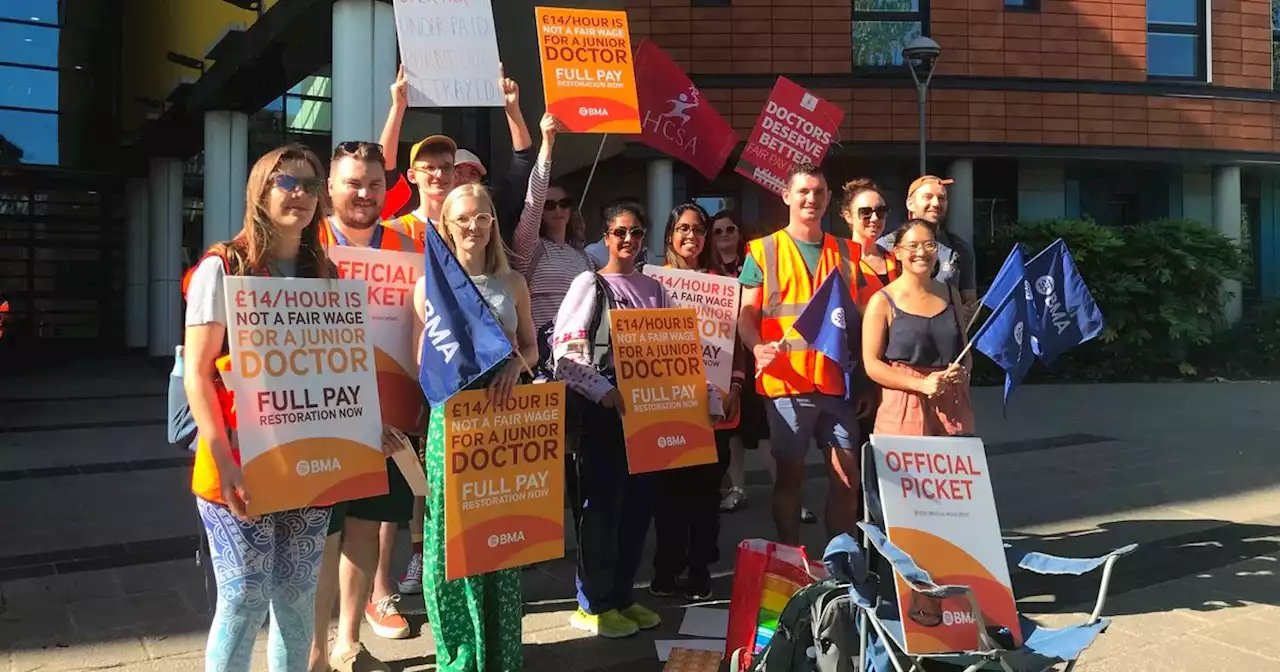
column 450, row 53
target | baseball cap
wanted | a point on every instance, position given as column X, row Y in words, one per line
column 432, row 140
column 466, row 156
column 926, row 179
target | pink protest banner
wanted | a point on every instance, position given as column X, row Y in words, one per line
column 794, row 126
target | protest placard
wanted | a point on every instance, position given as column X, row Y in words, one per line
column 716, row 300
column 794, row 126
column 450, row 53
column 390, row 277
column 504, row 479
column 306, row 392
column 587, row 72
column 658, row 357
column 939, row 509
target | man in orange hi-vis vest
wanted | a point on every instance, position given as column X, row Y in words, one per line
column 804, row 391
column 364, row 530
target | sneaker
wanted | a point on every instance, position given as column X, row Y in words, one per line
column 385, row 618
column 642, row 616
column 357, row 660
column 807, row 517
column 662, row 586
column 610, row 624
column 410, row 582
column 697, row 587
column 733, row 500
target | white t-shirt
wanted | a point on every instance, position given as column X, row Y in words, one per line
column 206, row 297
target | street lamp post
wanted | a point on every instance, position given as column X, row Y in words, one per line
column 921, row 55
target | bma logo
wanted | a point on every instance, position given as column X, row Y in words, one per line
column 809, row 102
column 837, row 318
column 312, row 467
column 1055, row 310
column 1017, row 334
column 1026, row 286
column 1045, row 285
column 957, row 618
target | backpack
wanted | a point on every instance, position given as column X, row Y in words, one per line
column 599, row 346
column 817, row 632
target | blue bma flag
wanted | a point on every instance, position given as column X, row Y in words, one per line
column 1065, row 313
column 1006, row 335
column 461, row 339
column 831, row 324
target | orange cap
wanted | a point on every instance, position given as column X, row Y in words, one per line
column 926, row 179
column 437, row 140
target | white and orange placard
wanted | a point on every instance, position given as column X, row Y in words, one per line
column 939, row 509
column 716, row 299
column 306, row 391
column 503, row 479
column 390, row 277
column 588, row 77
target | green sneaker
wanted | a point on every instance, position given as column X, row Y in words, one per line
column 642, row 616
column 610, row 624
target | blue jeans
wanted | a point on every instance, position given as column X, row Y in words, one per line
column 616, row 510
column 265, row 567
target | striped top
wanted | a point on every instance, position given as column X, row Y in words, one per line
column 549, row 267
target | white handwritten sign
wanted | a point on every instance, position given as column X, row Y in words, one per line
column 450, row 52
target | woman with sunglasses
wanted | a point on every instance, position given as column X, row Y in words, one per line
column 545, row 249
column 687, row 524
column 476, row 621
column 866, row 211
column 912, row 333
column 266, row 563
column 616, row 507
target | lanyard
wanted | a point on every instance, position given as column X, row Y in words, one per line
column 375, row 242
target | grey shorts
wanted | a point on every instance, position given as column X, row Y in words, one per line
column 794, row 422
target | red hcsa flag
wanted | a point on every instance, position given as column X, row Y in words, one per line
column 675, row 118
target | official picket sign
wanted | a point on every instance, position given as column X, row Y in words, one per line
column 587, row 73
column 306, row 391
column 658, row 357
column 450, row 53
column 716, row 300
column 390, row 277
column 794, row 126
column 939, row 509
column 504, row 479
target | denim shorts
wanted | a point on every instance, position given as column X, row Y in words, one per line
column 796, row 421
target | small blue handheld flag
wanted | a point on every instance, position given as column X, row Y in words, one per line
column 1006, row 335
column 461, row 339
column 831, row 324
column 1065, row 313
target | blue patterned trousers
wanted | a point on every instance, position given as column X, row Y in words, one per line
column 265, row 567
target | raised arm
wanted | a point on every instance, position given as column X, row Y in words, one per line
column 527, row 235
column 390, row 138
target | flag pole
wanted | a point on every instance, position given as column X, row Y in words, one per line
column 582, row 198
column 969, row 346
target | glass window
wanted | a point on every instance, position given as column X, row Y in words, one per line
column 315, row 85
column 882, row 27
column 44, row 11
column 1176, row 39
column 1022, row 4
column 28, row 137
column 28, row 45
column 1179, row 12
column 303, row 115
column 28, row 87
column 1172, row 55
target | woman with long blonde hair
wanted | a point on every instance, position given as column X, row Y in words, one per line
column 269, row 563
column 476, row 621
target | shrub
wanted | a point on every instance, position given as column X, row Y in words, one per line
column 1249, row 349
column 1157, row 284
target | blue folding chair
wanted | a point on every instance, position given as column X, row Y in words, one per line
column 882, row 646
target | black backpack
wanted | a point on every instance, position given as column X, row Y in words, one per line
column 817, row 632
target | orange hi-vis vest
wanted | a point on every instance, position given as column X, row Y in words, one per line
column 787, row 290
column 871, row 281
column 385, row 238
column 410, row 226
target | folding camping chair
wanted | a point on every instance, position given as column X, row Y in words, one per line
column 883, row 643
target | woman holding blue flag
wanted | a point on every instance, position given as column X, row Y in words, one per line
column 476, row 621
column 912, row 335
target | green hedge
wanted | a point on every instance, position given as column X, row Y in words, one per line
column 1157, row 285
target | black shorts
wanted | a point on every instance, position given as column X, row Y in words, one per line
column 394, row 507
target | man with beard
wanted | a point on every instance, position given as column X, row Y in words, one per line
column 927, row 200
column 363, row 530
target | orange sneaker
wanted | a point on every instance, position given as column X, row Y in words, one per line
column 385, row 618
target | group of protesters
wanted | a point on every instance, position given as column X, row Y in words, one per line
column 522, row 242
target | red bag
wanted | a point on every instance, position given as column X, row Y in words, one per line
column 765, row 576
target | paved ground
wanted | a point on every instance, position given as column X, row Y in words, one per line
column 98, row 531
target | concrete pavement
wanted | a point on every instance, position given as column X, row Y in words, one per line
column 97, row 538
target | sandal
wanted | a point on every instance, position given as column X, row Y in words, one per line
column 735, row 499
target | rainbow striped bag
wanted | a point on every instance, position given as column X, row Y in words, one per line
column 766, row 575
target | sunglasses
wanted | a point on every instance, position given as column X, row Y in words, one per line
column 291, row 183
column 483, row 220
column 726, row 231
column 563, row 203
column 623, row 234
column 355, row 147
column 879, row 211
